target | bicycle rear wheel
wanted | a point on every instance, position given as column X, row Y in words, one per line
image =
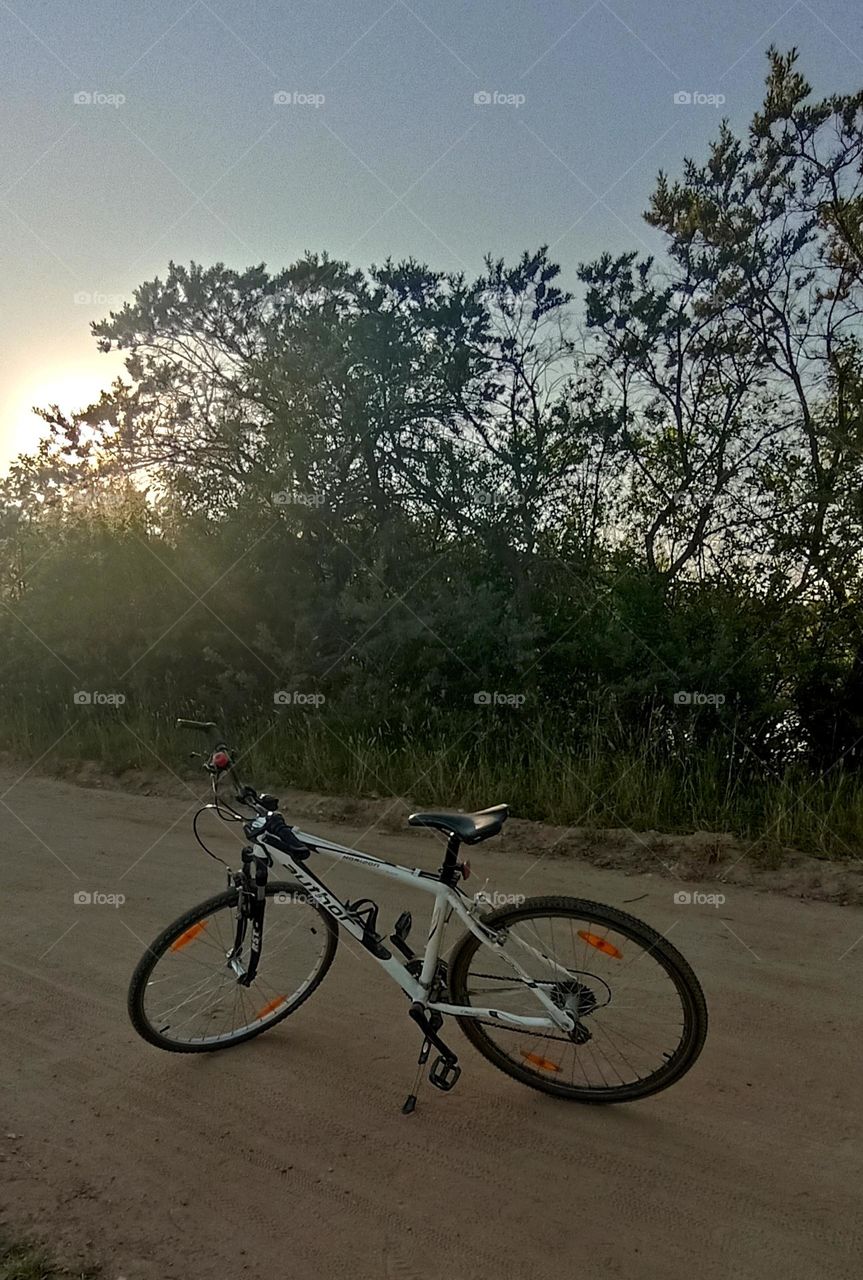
column 641, row 1017
column 185, row 995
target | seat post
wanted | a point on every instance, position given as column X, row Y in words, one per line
column 448, row 873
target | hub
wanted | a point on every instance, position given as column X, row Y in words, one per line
column 578, row 1000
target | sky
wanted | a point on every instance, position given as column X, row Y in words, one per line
column 245, row 132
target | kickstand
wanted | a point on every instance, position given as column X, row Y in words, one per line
column 411, row 1100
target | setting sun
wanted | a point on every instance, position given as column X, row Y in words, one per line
column 71, row 387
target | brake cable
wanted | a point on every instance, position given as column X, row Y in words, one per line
column 197, row 834
column 223, row 811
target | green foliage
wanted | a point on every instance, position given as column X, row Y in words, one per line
column 395, row 489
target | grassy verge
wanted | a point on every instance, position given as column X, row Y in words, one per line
column 21, row 1261
column 480, row 761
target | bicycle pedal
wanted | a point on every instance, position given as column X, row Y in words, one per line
column 444, row 1073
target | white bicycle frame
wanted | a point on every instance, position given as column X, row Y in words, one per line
column 447, row 901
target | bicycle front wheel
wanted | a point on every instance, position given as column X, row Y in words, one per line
column 640, row 1014
column 186, row 995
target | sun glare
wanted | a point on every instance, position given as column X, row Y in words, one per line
column 71, row 388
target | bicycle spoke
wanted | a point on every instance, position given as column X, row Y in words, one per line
column 577, row 962
column 194, row 995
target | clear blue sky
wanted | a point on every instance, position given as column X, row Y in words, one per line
column 200, row 162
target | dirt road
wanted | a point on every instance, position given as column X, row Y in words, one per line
column 289, row 1156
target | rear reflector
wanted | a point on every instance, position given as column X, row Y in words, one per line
column 189, row 936
column 607, row 948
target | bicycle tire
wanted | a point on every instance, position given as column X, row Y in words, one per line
column 155, row 952
column 674, row 964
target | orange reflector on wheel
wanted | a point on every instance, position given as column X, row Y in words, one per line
column 536, row 1060
column 190, row 934
column 268, row 1008
column 607, row 948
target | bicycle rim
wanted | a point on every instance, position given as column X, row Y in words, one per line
column 640, row 1013
column 187, row 992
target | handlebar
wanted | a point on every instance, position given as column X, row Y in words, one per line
column 215, row 765
column 269, row 826
column 205, row 726
column 262, row 804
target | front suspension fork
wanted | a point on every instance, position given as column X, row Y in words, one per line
column 251, row 904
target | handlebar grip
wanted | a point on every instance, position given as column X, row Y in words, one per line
column 204, row 725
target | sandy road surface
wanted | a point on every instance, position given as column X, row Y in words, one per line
column 289, row 1156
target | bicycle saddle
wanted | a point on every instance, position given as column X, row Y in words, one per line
column 469, row 827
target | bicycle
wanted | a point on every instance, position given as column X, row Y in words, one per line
column 541, row 1020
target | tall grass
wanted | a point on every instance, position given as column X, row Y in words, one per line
column 591, row 783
